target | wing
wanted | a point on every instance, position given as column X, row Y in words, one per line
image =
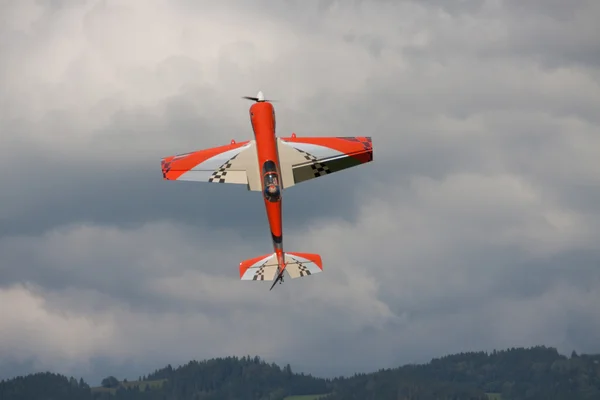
column 305, row 158
column 233, row 163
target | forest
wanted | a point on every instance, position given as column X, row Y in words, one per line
column 513, row 374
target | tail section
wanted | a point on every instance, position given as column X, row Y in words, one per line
column 262, row 268
column 298, row 265
column 265, row 267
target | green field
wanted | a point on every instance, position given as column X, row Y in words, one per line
column 142, row 385
column 154, row 384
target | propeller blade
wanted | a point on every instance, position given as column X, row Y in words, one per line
column 259, row 100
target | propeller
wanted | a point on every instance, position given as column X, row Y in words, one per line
column 259, row 98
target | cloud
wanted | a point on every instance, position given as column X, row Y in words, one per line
column 28, row 329
column 475, row 227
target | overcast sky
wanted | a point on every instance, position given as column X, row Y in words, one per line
column 476, row 227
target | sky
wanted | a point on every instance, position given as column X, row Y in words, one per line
column 475, row 228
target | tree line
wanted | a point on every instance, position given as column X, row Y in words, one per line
column 513, row 374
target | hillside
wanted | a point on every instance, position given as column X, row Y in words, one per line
column 513, row 374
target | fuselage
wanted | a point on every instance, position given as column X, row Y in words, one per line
column 262, row 117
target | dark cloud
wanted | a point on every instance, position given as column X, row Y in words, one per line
column 475, row 227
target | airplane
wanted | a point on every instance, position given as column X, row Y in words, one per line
column 270, row 164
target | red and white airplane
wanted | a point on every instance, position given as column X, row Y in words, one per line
column 270, row 164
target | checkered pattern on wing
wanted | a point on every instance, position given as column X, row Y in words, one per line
column 319, row 169
column 260, row 274
column 219, row 175
column 303, row 270
column 367, row 142
column 166, row 167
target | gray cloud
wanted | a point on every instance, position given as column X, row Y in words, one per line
column 475, row 228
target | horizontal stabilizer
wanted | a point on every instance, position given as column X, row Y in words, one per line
column 298, row 265
column 264, row 268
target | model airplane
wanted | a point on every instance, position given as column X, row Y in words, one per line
column 271, row 164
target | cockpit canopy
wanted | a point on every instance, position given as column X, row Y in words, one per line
column 272, row 189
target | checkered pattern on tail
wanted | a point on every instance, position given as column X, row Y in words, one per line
column 219, row 175
column 260, row 274
column 303, row 270
column 319, row 169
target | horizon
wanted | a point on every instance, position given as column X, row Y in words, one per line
column 295, row 370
